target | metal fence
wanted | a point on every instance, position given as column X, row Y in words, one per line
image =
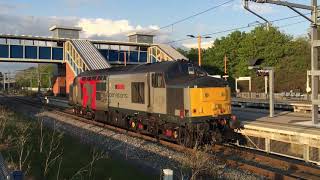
column 272, row 142
column 278, row 96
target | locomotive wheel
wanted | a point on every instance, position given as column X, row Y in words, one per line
column 91, row 115
column 217, row 137
column 81, row 112
column 112, row 118
column 189, row 139
column 182, row 136
column 153, row 127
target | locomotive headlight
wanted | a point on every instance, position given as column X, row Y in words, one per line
column 133, row 125
column 175, row 134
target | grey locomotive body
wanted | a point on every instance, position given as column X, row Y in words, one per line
column 172, row 100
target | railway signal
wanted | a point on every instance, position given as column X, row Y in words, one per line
column 262, row 72
column 255, row 64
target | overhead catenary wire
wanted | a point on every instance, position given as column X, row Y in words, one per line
column 242, row 27
column 191, row 16
column 291, row 24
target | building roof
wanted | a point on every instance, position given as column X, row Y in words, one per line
column 65, row 27
column 140, row 34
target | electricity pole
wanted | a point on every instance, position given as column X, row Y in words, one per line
column 199, row 38
column 225, row 68
column 314, row 64
column 315, row 43
column 199, row 50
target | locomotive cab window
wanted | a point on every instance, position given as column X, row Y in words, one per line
column 157, row 80
column 137, row 92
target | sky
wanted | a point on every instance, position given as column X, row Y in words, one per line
column 114, row 19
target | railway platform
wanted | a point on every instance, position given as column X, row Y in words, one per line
column 287, row 134
column 290, row 105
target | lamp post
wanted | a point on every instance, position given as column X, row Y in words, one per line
column 199, row 45
column 255, row 64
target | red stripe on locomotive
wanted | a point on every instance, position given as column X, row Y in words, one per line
column 86, row 96
column 119, row 86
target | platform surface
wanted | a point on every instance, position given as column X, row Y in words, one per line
column 286, row 119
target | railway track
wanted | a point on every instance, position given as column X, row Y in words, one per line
column 269, row 166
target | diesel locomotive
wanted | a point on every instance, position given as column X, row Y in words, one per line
column 173, row 100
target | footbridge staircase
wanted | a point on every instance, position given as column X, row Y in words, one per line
column 80, row 56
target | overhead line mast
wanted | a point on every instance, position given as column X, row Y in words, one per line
column 315, row 43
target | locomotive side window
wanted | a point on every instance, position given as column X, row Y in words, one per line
column 157, row 80
column 101, row 86
column 137, row 92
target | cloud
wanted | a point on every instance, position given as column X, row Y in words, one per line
column 204, row 45
column 108, row 27
column 92, row 28
column 32, row 25
column 11, row 7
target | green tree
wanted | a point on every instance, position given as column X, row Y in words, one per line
column 289, row 56
column 29, row 76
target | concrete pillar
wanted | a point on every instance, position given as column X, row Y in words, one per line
column 267, row 144
column 236, row 85
column 8, row 81
column 271, row 92
column 266, row 85
column 4, row 81
column 250, row 87
column 306, row 155
column 59, row 83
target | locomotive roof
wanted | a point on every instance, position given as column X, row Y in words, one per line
column 130, row 69
column 174, row 75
